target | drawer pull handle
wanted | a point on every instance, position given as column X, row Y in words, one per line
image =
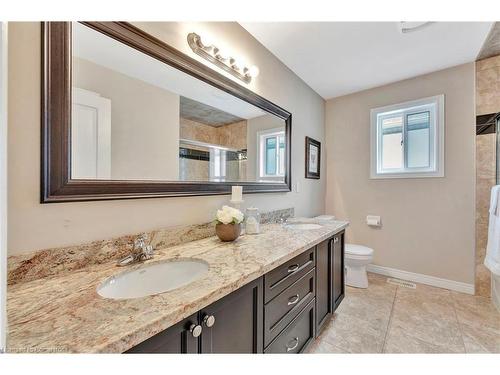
column 294, row 345
column 335, row 240
column 293, row 268
column 293, row 300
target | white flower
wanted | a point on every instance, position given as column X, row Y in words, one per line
column 224, row 217
column 238, row 216
column 228, row 215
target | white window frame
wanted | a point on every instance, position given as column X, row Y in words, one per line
column 261, row 168
column 436, row 144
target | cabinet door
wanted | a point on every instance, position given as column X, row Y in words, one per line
column 323, row 284
column 234, row 324
column 177, row 339
column 338, row 269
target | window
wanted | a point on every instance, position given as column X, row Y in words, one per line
column 271, row 144
column 407, row 139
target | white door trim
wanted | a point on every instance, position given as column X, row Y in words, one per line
column 103, row 109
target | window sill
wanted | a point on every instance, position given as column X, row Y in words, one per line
column 439, row 174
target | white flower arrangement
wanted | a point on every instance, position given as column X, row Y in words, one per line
column 229, row 215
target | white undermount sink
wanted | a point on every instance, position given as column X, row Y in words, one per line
column 303, row 226
column 152, row 279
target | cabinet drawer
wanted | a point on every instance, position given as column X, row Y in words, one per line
column 297, row 335
column 286, row 305
column 285, row 275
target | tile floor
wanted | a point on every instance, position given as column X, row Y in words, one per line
column 386, row 318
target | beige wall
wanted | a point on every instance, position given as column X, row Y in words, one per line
column 428, row 222
column 144, row 123
column 34, row 226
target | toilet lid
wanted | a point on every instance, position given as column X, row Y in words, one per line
column 358, row 249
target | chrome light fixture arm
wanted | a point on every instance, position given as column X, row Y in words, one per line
column 214, row 55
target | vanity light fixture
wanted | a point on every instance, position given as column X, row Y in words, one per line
column 211, row 53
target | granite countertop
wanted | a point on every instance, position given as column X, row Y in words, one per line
column 64, row 313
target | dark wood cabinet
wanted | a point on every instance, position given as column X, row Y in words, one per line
column 281, row 312
column 277, row 280
column 338, row 282
column 236, row 325
column 177, row 339
column 329, row 278
column 324, row 301
column 298, row 334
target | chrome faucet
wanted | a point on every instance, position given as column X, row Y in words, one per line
column 282, row 220
column 140, row 252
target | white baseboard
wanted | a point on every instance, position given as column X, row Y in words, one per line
column 422, row 279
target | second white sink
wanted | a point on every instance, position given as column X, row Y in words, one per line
column 152, row 279
column 303, row 226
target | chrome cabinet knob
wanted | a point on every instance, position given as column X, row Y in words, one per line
column 209, row 320
column 195, row 330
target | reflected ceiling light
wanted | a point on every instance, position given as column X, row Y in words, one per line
column 409, row 27
column 230, row 64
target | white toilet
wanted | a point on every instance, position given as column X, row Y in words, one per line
column 357, row 257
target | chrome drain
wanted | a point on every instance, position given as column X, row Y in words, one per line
column 403, row 283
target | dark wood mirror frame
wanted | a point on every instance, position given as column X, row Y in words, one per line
column 56, row 182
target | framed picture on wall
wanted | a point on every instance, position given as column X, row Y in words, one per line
column 313, row 158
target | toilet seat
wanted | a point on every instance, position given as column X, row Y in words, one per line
column 358, row 250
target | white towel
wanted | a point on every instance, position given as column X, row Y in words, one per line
column 494, row 200
column 492, row 259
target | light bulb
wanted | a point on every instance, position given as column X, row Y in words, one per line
column 253, row 71
column 207, row 41
column 236, row 64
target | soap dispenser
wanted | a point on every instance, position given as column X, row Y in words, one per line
column 252, row 223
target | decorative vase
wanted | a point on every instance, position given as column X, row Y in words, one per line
column 227, row 232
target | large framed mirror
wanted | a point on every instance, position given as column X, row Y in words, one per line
column 125, row 115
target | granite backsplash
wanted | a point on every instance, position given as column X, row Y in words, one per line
column 56, row 261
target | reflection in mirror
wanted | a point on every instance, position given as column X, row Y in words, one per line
column 136, row 118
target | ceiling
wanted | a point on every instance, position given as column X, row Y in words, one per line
column 491, row 46
column 338, row 58
column 192, row 110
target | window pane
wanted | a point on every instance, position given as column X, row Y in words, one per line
column 270, row 156
column 418, row 128
column 392, row 137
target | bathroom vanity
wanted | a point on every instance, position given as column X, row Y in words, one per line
column 266, row 293
column 280, row 312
